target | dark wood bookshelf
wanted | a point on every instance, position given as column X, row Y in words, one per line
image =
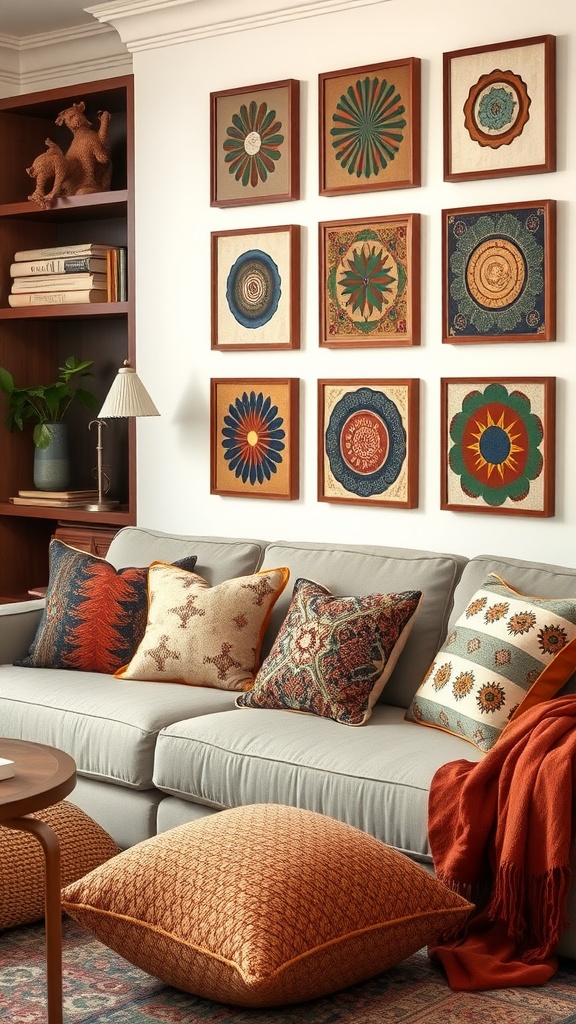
column 34, row 341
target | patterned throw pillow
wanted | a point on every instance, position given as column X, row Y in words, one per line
column 506, row 653
column 333, row 655
column 202, row 635
column 95, row 615
column 264, row 905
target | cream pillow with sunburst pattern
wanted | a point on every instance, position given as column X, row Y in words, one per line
column 505, row 653
column 203, row 635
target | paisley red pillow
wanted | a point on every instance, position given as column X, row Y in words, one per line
column 333, row 655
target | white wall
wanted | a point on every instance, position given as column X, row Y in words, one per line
column 174, row 221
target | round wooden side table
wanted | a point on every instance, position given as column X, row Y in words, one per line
column 43, row 776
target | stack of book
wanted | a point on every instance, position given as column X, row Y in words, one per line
column 55, row 499
column 90, row 272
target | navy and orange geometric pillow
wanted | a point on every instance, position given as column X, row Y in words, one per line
column 95, row 615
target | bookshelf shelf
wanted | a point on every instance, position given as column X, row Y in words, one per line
column 34, row 340
column 76, row 311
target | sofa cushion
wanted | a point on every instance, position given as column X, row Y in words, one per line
column 263, row 906
column 219, row 558
column 375, row 778
column 361, row 570
column 109, row 726
column 333, row 655
column 83, row 846
column 95, row 615
column 505, row 653
column 202, row 635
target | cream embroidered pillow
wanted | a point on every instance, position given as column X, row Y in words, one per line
column 506, row 653
column 202, row 635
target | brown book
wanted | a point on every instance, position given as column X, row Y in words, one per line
column 62, row 495
column 50, row 502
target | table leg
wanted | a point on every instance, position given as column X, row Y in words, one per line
column 53, row 909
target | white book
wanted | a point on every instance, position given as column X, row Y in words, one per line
column 7, row 769
column 62, row 252
column 58, row 283
column 57, row 298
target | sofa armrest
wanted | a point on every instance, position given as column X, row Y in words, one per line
column 18, row 625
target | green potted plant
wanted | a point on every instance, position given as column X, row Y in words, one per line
column 46, row 403
column 46, row 406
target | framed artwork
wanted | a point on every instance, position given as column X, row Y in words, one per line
column 498, row 445
column 254, row 437
column 500, row 109
column 368, row 442
column 256, row 288
column 370, row 282
column 499, row 271
column 369, row 127
column 255, row 144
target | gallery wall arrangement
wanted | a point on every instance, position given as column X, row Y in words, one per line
column 498, row 282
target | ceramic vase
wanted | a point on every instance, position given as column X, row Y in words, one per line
column 52, row 464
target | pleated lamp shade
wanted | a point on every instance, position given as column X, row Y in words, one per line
column 127, row 396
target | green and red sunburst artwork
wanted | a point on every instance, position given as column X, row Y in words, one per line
column 370, row 282
column 498, row 453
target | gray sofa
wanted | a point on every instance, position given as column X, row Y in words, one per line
column 152, row 756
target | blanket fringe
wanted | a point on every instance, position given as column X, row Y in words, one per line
column 534, row 906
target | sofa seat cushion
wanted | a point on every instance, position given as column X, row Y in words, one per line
column 264, row 906
column 109, row 726
column 362, row 570
column 375, row 778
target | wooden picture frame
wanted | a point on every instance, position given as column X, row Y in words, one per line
column 369, row 128
column 370, row 282
column 254, row 437
column 255, row 290
column 498, row 445
column 500, row 109
column 255, row 144
column 368, row 442
column 499, row 273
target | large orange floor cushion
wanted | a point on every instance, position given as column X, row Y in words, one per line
column 83, row 846
column 263, row 905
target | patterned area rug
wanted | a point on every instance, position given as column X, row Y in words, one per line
column 102, row 988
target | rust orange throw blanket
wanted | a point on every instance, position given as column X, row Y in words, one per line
column 504, row 826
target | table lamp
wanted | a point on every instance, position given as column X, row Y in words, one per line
column 126, row 397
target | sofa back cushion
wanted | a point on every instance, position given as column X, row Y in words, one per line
column 538, row 579
column 360, row 570
column 218, row 558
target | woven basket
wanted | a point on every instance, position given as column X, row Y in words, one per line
column 84, row 845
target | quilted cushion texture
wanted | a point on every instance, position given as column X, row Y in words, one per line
column 263, row 905
column 202, row 635
column 505, row 653
column 95, row 615
column 333, row 655
column 83, row 846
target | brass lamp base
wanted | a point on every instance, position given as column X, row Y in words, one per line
column 101, row 506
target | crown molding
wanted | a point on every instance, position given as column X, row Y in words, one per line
column 44, row 61
column 150, row 24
